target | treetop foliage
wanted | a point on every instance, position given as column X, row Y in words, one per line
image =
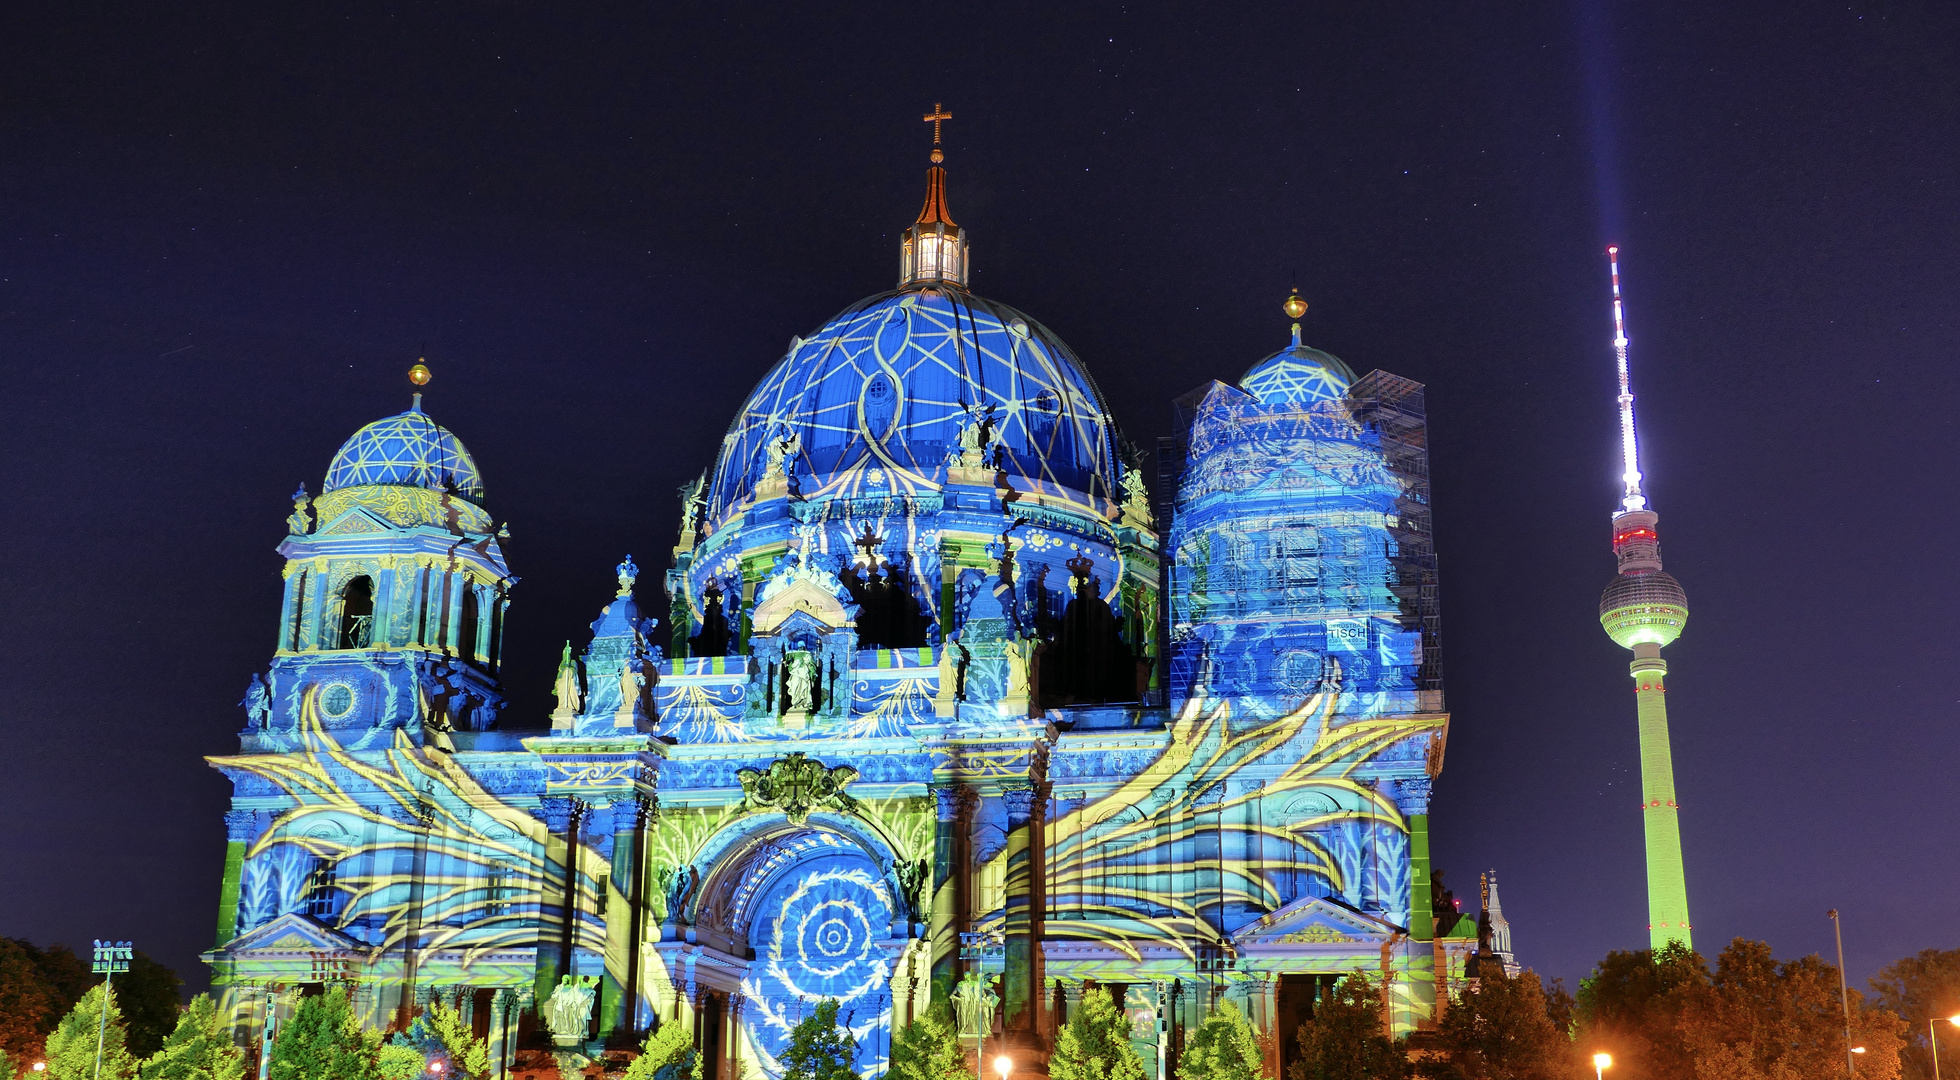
column 199, row 1048
column 1345, row 1040
column 820, row 1048
column 667, row 1054
column 323, row 1040
column 929, row 1048
column 1095, row 1043
column 71, row 1048
column 1223, row 1048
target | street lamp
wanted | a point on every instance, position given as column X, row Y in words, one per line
column 1844, row 994
column 1601, row 1062
column 1932, row 1038
column 435, row 1068
column 1003, row 1065
column 42, row 1066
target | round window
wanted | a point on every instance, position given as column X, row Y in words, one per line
column 337, row 700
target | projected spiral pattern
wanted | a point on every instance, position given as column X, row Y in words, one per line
column 816, row 936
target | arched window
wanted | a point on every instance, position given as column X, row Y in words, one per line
column 357, row 613
column 322, row 889
column 466, row 633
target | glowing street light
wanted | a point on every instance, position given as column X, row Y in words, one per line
column 1932, row 1037
column 40, row 1066
column 1003, row 1065
column 435, row 1068
column 1601, row 1062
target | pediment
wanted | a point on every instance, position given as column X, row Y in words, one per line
column 1315, row 920
column 355, row 522
column 803, row 597
column 292, row 932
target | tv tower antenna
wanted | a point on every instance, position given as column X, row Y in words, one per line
column 1643, row 610
column 1629, row 446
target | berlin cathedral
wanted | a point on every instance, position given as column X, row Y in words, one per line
column 941, row 689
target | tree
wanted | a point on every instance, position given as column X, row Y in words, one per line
column 1095, row 1043
column 929, row 1048
column 323, row 1040
column 1223, row 1048
column 820, row 1048
column 668, row 1054
column 199, row 1048
column 1921, row 988
column 1344, row 1040
column 1758, row 1019
column 1502, row 1029
column 71, row 1049
column 1630, row 1007
column 151, row 999
column 28, row 1005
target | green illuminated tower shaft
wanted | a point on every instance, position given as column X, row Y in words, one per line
column 1645, row 609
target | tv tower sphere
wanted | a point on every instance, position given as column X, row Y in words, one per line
column 1643, row 604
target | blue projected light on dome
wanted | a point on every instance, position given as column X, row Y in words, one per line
column 878, row 397
column 408, row 449
column 1298, row 375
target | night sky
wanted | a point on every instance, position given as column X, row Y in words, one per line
column 225, row 235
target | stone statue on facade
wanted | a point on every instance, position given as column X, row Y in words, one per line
column 974, row 1002
column 566, row 690
column 568, row 1011
column 300, row 521
column 257, row 703
column 977, row 440
column 782, row 455
column 802, row 680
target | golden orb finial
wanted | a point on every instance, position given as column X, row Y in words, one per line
column 419, row 374
column 1295, row 307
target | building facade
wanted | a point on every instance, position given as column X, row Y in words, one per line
column 934, row 691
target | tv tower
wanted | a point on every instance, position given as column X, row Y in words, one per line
column 1644, row 609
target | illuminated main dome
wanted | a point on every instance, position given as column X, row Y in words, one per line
column 877, row 397
column 1297, row 375
column 407, row 449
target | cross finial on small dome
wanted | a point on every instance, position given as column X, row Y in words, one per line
column 935, row 118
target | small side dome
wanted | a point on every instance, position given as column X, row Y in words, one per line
column 408, row 450
column 1298, row 375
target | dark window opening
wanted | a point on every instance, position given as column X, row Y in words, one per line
column 298, row 627
column 357, row 613
column 889, row 616
column 1087, row 661
column 713, row 638
column 466, row 633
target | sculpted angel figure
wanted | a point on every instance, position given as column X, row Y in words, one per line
column 782, row 454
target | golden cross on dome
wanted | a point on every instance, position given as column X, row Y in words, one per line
column 935, row 117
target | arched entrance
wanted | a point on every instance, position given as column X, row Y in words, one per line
column 814, row 909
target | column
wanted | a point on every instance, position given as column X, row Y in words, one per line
column 558, row 904
column 454, row 583
column 731, row 1037
column 500, row 1000
column 289, row 606
column 619, row 988
column 241, row 828
column 1017, row 990
column 951, row 885
column 1268, row 1020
